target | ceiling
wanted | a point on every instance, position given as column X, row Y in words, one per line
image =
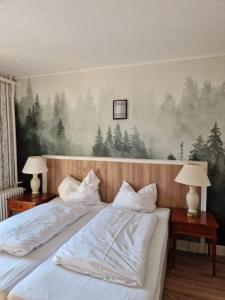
column 50, row 36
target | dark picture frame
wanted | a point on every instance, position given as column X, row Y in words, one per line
column 120, row 109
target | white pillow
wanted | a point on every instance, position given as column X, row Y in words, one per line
column 67, row 186
column 84, row 198
column 142, row 201
column 90, row 183
column 87, row 191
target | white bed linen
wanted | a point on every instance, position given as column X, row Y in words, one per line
column 13, row 269
column 113, row 246
column 24, row 232
column 50, row 281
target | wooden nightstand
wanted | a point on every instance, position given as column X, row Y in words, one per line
column 203, row 226
column 26, row 201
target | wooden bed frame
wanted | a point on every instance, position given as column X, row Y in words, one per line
column 112, row 171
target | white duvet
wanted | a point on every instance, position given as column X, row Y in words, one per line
column 24, row 232
column 113, row 246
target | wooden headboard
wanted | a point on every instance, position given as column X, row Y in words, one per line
column 112, row 171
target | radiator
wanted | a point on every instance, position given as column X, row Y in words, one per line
column 4, row 195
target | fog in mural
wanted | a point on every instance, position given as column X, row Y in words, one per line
column 185, row 120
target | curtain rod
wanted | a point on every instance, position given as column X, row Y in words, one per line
column 8, row 80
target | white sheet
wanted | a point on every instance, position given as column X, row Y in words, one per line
column 50, row 281
column 113, row 246
column 24, row 232
column 13, row 269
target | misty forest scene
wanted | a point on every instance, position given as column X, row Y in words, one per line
column 190, row 128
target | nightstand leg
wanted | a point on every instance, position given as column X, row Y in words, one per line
column 214, row 256
column 208, row 241
column 9, row 212
column 174, row 250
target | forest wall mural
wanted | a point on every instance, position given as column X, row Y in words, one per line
column 176, row 110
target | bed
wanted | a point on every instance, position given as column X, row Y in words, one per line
column 41, row 283
column 49, row 281
column 13, row 269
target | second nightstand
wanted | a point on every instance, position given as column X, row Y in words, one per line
column 203, row 226
column 26, row 201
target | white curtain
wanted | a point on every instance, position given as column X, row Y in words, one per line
column 8, row 160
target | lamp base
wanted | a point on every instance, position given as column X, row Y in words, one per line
column 35, row 184
column 193, row 214
column 192, row 198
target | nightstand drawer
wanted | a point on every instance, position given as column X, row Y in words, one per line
column 194, row 230
column 20, row 206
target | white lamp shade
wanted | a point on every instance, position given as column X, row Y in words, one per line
column 193, row 175
column 35, row 165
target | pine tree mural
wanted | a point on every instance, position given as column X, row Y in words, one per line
column 138, row 149
column 32, row 129
column 120, row 145
column 29, row 124
column 126, row 144
column 118, row 140
column 200, row 150
column 61, row 142
column 109, row 138
column 143, row 153
column 135, row 141
column 181, row 151
column 216, row 159
column 60, row 130
column 37, row 114
column 171, row 157
column 215, row 146
column 97, row 149
column 108, row 148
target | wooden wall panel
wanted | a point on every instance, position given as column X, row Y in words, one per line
column 112, row 173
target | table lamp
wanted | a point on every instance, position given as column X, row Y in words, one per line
column 193, row 175
column 35, row 165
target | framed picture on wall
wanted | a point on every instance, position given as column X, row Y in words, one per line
column 119, row 109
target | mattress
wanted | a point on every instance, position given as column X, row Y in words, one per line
column 49, row 281
column 13, row 269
